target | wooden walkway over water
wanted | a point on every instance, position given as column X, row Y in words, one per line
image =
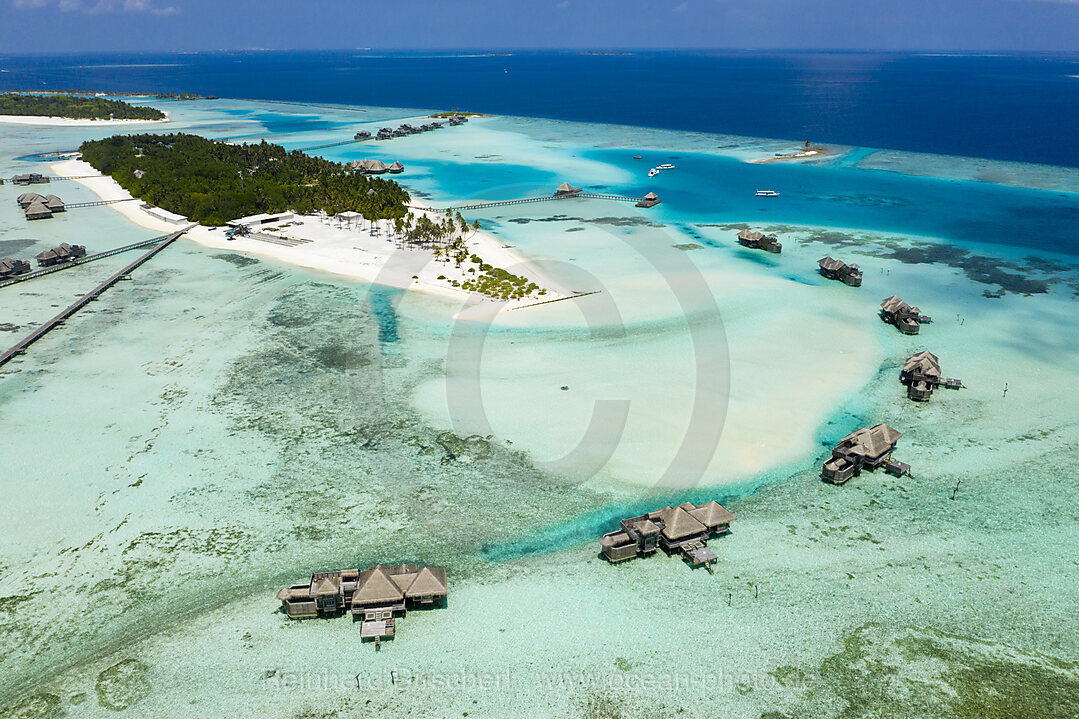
column 88, row 298
column 83, row 260
column 523, row 200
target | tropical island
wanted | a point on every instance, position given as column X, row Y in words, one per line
column 74, row 107
column 212, row 182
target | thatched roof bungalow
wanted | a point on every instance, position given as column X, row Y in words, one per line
column 676, row 530
column 759, row 241
column 374, row 596
column 649, row 200
column 906, row 319
column 921, row 374
column 54, row 203
column 10, row 268
column 38, row 210
column 396, row 168
column 28, row 198
column 61, row 253
column 566, row 189
column 841, row 271
column 867, row 448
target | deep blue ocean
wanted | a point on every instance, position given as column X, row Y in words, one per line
column 1008, row 107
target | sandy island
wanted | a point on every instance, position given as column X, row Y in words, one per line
column 73, row 122
column 801, row 155
column 360, row 250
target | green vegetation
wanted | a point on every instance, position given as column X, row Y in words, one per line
column 79, row 108
column 212, row 182
column 446, row 239
column 453, row 113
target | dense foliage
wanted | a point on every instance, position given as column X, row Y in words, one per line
column 80, row 108
column 212, row 182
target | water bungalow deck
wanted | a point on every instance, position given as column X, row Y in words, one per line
column 864, row 449
column 375, row 597
column 676, row 530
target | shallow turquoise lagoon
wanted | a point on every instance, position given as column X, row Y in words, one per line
column 223, row 425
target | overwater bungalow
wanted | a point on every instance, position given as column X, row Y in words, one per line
column 38, row 210
column 396, row 168
column 28, row 198
column 54, row 203
column 13, row 268
column 759, row 241
column 62, row 253
column 375, row 597
column 566, row 190
column 361, row 136
column 384, row 133
column 841, row 271
column 457, row 120
column 676, row 530
column 31, row 179
column 921, row 374
column 370, row 167
column 649, row 200
column 907, row 319
column 865, row 449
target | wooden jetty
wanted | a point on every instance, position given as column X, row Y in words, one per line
column 676, row 530
column 759, row 241
column 865, row 449
column 375, row 597
column 87, row 298
column 841, row 271
column 906, row 319
column 921, row 374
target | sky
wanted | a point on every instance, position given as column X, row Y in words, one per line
column 50, row 26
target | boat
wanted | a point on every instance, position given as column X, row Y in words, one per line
column 767, row 193
column 665, row 166
column 653, row 172
column 636, row 157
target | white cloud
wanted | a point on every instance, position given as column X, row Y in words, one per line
column 563, row 4
column 30, row 3
column 681, row 7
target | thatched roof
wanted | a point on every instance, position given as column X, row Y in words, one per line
column 749, row 235
column 28, row 198
column 679, row 523
column 38, row 208
column 827, row 263
column 430, row 582
column 894, row 304
column 925, row 362
column 651, row 196
column 566, row 187
column 712, row 514
column 53, row 202
column 375, row 587
column 323, row 584
column 396, row 166
column 872, row 442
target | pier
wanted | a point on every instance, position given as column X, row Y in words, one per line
column 88, row 297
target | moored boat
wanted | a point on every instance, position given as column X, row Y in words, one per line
column 767, row 193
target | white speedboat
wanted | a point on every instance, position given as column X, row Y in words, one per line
column 653, row 172
column 665, row 166
column 767, row 193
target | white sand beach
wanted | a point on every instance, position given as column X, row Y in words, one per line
column 364, row 251
column 72, row 122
